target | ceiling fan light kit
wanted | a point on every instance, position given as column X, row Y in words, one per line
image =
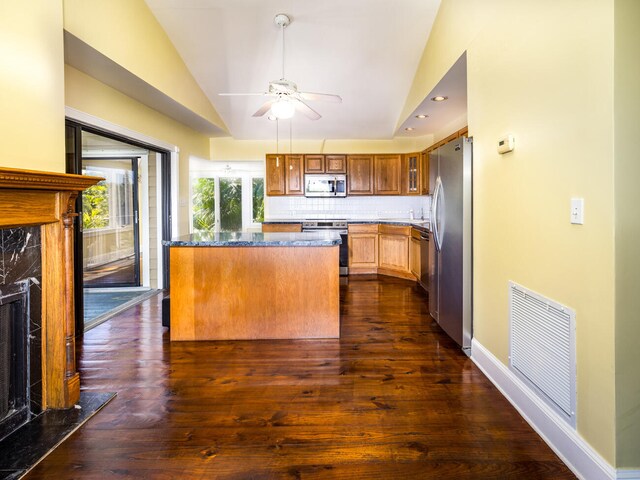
column 287, row 99
column 283, row 109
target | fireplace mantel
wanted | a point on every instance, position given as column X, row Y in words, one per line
column 29, row 197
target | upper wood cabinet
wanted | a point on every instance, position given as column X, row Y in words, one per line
column 388, row 174
column 411, row 167
column 314, row 163
column 360, row 176
column 275, row 167
column 325, row 164
column 335, row 163
column 424, row 172
column 294, row 176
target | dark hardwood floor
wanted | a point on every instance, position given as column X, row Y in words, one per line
column 394, row 398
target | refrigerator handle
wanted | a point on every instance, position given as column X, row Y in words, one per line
column 434, row 212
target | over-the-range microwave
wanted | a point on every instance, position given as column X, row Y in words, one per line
column 316, row 185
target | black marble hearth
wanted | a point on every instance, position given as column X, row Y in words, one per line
column 25, row 447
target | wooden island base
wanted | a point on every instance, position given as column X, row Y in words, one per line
column 251, row 293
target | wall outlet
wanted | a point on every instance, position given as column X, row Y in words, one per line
column 577, row 211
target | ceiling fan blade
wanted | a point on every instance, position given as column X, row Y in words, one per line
column 241, row 94
column 307, row 110
column 326, row 97
column 264, row 108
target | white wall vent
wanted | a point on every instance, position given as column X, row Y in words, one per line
column 542, row 348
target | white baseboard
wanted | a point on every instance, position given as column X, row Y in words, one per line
column 572, row 449
column 628, row 475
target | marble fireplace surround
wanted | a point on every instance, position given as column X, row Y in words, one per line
column 45, row 199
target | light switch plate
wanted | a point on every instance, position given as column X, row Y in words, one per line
column 577, row 211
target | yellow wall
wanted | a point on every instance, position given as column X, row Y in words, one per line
column 88, row 95
column 627, row 198
column 229, row 149
column 31, row 85
column 542, row 71
column 127, row 32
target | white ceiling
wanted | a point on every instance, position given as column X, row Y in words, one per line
column 366, row 51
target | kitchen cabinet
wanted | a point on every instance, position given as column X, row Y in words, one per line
column 363, row 248
column 414, row 253
column 411, row 168
column 360, row 175
column 314, row 163
column 393, row 256
column 388, row 174
column 424, row 172
column 335, row 163
column 275, row 176
column 325, row 164
column 294, row 175
column 284, row 174
column 281, row 227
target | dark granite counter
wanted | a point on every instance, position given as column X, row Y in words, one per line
column 256, row 239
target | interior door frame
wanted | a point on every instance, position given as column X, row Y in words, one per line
column 74, row 165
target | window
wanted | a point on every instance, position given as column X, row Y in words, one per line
column 224, row 198
column 258, row 199
column 230, row 204
column 204, row 204
column 108, row 204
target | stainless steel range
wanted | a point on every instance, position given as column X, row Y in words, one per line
column 338, row 226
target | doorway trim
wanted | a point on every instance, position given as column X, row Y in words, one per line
column 104, row 126
column 168, row 191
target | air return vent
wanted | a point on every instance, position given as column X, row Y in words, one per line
column 542, row 348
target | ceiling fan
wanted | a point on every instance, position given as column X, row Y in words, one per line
column 286, row 98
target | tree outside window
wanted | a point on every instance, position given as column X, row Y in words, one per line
column 230, row 204
column 95, row 206
column 204, row 204
column 258, row 200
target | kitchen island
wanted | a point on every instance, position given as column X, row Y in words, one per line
column 250, row 286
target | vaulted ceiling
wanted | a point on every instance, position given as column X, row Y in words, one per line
column 366, row 51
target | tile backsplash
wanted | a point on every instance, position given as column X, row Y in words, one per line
column 348, row 207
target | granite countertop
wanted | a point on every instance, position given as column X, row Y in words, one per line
column 256, row 239
column 405, row 222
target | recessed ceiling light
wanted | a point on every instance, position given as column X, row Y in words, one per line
column 409, row 129
column 439, row 98
column 421, row 116
column 272, row 118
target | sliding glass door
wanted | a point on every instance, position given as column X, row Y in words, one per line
column 110, row 230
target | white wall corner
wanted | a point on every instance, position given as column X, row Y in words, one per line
column 572, row 449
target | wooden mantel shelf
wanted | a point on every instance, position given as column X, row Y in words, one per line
column 36, row 180
column 27, row 198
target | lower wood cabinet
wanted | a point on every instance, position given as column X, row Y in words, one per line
column 281, row 227
column 382, row 249
column 363, row 248
column 393, row 246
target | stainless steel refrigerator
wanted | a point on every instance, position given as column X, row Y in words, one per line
column 450, row 249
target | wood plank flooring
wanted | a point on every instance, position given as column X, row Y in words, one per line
column 394, row 398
